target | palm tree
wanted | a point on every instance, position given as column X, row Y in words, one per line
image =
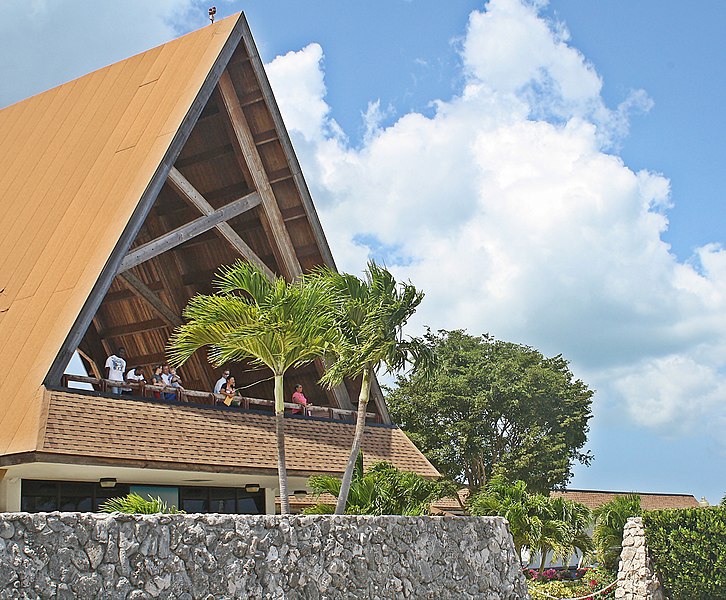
column 610, row 519
column 537, row 522
column 371, row 314
column 382, row 490
column 274, row 324
column 564, row 531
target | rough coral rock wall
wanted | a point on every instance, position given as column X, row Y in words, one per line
column 636, row 578
column 86, row 555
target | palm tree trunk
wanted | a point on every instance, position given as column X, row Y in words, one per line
column 280, row 433
column 365, row 392
column 542, row 560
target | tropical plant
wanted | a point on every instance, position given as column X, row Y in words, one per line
column 274, row 324
column 610, row 519
column 688, row 550
column 537, row 522
column 134, row 504
column 382, row 490
column 494, row 407
column 370, row 314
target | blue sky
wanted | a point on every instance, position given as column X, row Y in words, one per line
column 547, row 172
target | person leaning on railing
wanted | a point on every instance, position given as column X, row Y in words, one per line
column 300, row 400
column 229, row 392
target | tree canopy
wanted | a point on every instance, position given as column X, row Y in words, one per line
column 493, row 407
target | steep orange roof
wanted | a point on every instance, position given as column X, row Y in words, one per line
column 74, row 163
column 185, row 436
column 648, row 501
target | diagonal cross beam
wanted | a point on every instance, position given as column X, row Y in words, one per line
column 186, row 232
column 190, row 194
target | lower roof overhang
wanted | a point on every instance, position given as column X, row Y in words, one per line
column 89, row 430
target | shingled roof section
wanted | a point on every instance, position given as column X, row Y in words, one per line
column 648, row 501
column 181, row 436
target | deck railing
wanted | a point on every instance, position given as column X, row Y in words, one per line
column 148, row 390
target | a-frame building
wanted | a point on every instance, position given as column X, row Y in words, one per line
column 121, row 193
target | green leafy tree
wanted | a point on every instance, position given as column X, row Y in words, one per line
column 273, row 324
column 493, row 407
column 382, row 490
column 610, row 519
column 370, row 314
column 134, row 504
column 538, row 523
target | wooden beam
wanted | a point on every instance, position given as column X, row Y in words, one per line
column 140, row 327
column 189, row 193
column 95, row 371
column 127, row 294
column 186, row 232
column 245, row 140
column 142, row 291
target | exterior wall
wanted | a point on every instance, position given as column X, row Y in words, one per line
column 636, row 578
column 72, row 555
column 10, row 494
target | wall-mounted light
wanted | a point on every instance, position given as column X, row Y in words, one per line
column 300, row 494
column 252, row 488
column 107, row 482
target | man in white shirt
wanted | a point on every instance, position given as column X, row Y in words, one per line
column 221, row 381
column 116, row 367
column 135, row 374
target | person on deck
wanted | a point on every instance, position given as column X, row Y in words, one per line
column 157, row 380
column 116, row 367
column 299, row 398
column 221, row 382
column 229, row 392
column 176, row 382
column 136, row 375
column 166, row 381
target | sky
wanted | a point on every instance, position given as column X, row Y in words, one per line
column 547, row 172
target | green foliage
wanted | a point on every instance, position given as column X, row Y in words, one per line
column 492, row 407
column 370, row 314
column 135, row 504
column 382, row 490
column 274, row 324
column 610, row 519
column 588, row 582
column 688, row 548
column 537, row 522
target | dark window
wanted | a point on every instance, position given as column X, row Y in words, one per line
column 67, row 496
column 195, row 499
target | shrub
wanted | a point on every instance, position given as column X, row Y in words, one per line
column 135, row 504
column 688, row 548
column 592, row 580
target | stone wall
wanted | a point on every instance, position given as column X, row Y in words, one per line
column 636, row 577
column 85, row 555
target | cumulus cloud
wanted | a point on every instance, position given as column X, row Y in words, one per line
column 510, row 209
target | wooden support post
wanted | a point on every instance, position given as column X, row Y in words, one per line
column 142, row 291
column 245, row 140
column 189, row 193
column 245, row 143
column 186, row 232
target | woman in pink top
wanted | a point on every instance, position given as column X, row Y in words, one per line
column 299, row 398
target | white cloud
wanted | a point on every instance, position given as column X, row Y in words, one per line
column 507, row 208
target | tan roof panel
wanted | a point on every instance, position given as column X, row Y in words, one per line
column 74, row 163
column 648, row 501
column 194, row 437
